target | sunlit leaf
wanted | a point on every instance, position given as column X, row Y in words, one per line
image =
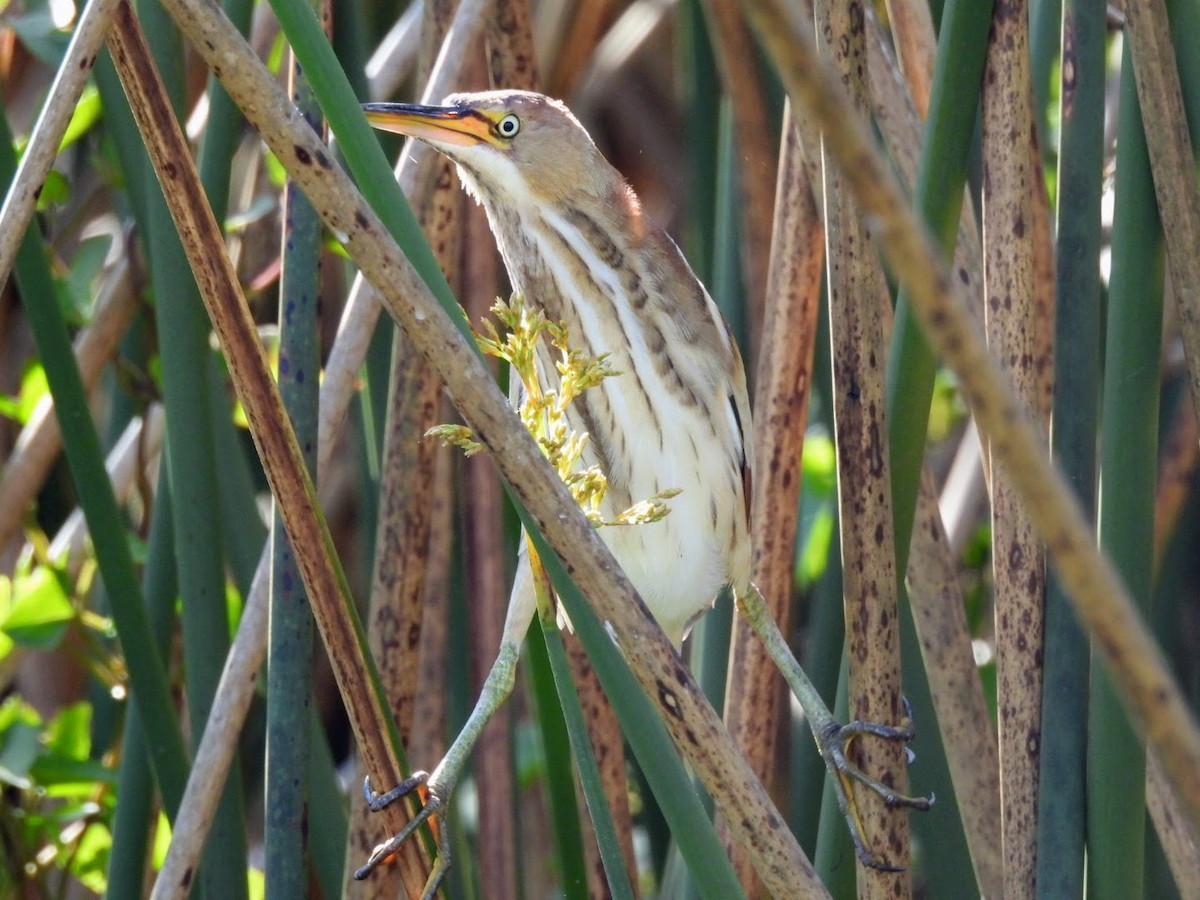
column 55, row 191
column 819, row 465
column 86, row 114
column 89, row 862
column 162, row 840
column 41, row 612
column 33, row 387
column 69, row 733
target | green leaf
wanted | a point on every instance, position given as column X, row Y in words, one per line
column 89, row 862
column 56, row 191
column 818, row 464
column 33, row 388
column 85, row 266
column 86, row 114
column 69, row 734
column 6, row 601
column 20, row 742
column 162, row 841
column 41, row 612
column 815, row 553
column 62, row 776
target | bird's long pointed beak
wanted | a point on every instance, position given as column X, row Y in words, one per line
column 445, row 124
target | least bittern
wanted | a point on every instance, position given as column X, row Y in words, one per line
column 578, row 246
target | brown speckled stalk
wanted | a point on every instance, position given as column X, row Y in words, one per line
column 1178, row 459
column 962, row 714
column 406, row 513
column 1018, row 563
column 733, row 45
column 916, row 46
column 756, row 700
column 856, row 313
column 1172, row 162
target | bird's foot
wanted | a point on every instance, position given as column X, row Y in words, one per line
column 435, row 804
column 832, row 744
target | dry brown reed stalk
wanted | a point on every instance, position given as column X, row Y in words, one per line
column 916, row 47
column 1173, row 165
column 857, row 317
column 962, row 714
column 202, row 240
column 734, row 49
column 1012, row 325
column 967, row 733
column 756, row 697
column 407, row 509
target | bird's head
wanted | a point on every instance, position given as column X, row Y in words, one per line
column 511, row 146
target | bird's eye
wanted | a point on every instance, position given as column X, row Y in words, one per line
column 508, row 126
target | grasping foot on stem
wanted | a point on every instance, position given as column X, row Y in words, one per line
column 831, row 736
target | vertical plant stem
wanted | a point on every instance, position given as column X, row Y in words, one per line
column 743, row 84
column 1173, row 165
column 938, row 201
column 1018, row 566
column 1061, row 795
column 857, row 293
column 290, row 643
column 182, row 329
column 962, row 714
column 756, row 700
column 1129, row 444
column 135, row 814
column 916, row 46
column 941, row 638
column 403, row 627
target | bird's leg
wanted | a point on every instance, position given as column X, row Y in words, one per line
column 831, row 736
column 440, row 784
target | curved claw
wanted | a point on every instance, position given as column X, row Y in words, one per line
column 434, row 804
column 832, row 745
column 377, row 801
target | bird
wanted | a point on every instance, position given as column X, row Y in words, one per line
column 580, row 249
